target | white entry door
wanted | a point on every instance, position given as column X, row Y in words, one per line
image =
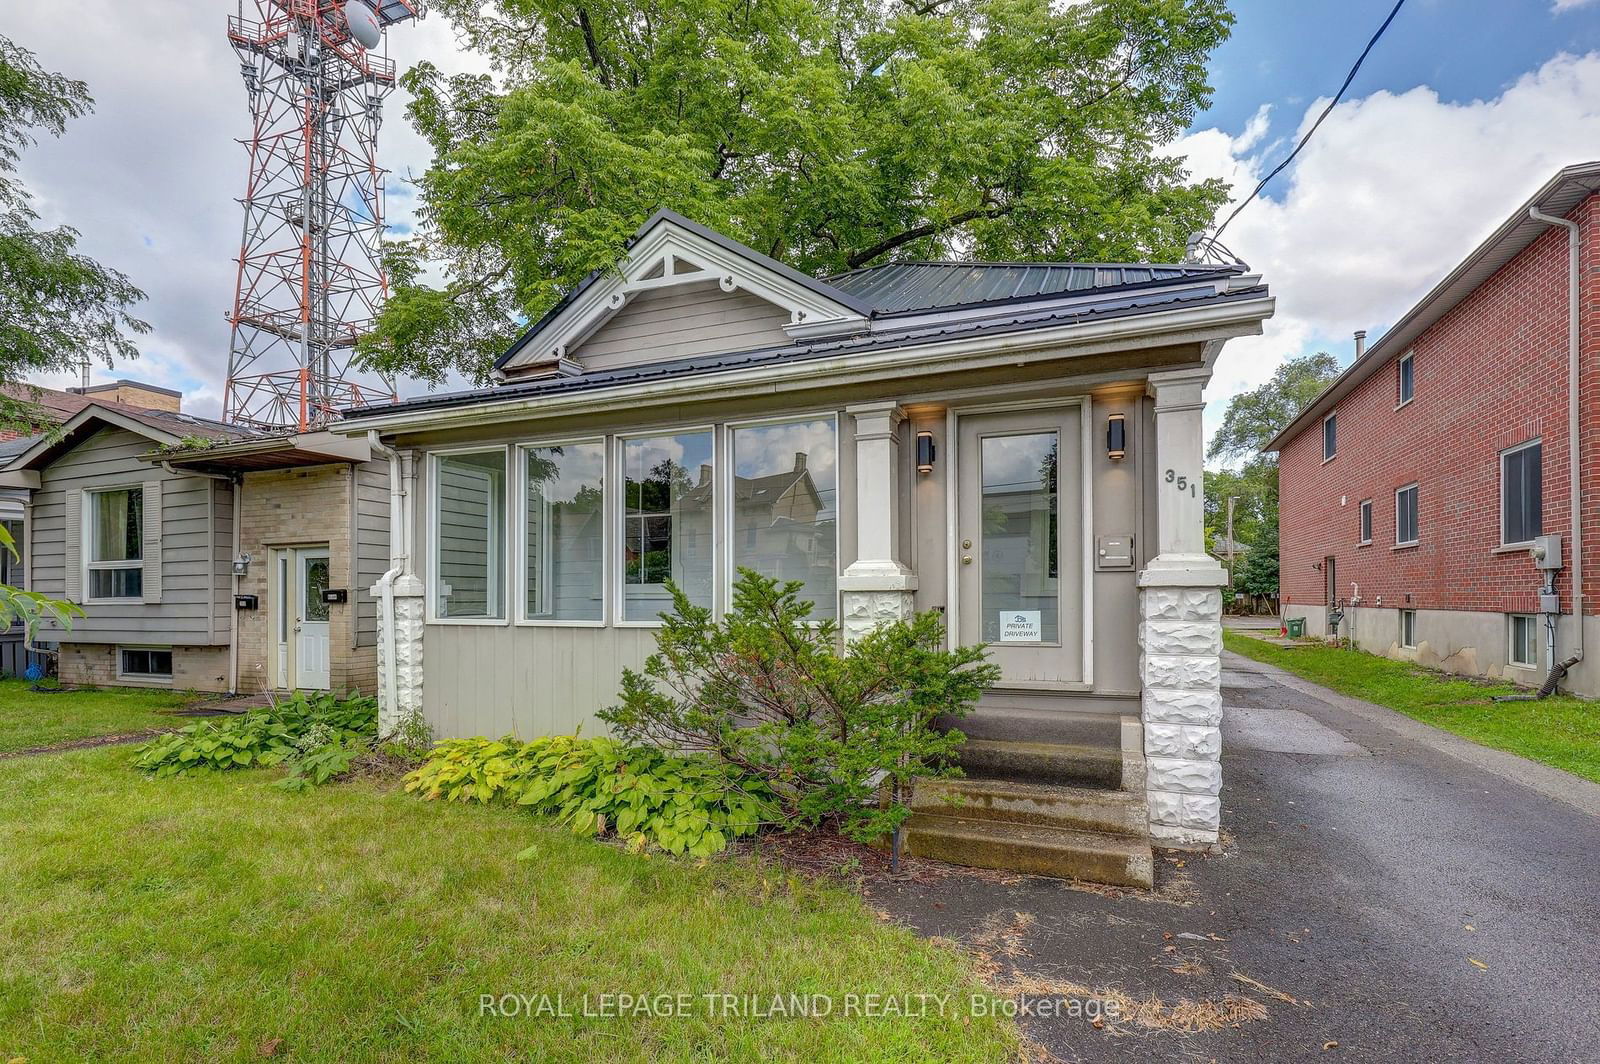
column 311, row 619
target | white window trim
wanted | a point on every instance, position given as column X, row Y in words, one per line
column 1401, row 361
column 728, row 568
column 520, row 525
column 430, row 607
column 1398, row 542
column 1403, row 644
column 1500, row 515
column 1332, row 415
column 153, row 678
column 619, row 447
column 1365, row 505
column 87, row 539
column 1511, row 641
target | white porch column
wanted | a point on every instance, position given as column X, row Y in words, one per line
column 1180, row 628
column 877, row 587
column 401, row 607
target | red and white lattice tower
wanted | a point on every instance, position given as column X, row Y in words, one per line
column 310, row 276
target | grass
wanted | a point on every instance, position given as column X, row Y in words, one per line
column 29, row 718
column 1559, row 731
column 219, row 918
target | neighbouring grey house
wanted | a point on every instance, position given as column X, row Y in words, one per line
column 1017, row 445
column 204, row 557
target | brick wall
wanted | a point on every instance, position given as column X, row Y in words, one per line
column 1489, row 375
column 193, row 668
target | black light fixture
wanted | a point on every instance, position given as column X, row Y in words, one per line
column 1116, row 437
column 925, row 452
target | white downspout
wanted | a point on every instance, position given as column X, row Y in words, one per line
column 398, row 562
column 238, row 530
column 1574, row 441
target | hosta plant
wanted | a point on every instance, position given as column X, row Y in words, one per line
column 269, row 736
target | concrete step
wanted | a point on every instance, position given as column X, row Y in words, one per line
column 1033, row 725
column 1051, row 805
column 1032, row 848
column 1073, row 764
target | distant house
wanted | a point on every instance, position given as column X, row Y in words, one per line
column 1223, row 548
column 1415, row 491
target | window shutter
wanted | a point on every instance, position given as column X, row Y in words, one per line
column 152, row 541
column 74, row 565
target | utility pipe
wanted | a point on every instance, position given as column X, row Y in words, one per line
column 238, row 530
column 1574, row 442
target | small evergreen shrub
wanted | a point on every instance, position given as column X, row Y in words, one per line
column 295, row 730
column 685, row 805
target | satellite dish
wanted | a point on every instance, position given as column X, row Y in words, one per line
column 363, row 23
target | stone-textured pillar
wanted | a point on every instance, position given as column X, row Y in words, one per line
column 407, row 666
column 1180, row 629
column 877, row 587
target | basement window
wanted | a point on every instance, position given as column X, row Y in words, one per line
column 144, row 663
column 1408, row 629
column 1524, row 641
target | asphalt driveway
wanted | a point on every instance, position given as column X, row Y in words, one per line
column 1385, row 892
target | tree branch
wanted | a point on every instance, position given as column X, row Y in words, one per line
column 883, row 247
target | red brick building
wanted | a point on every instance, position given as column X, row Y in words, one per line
column 1415, row 488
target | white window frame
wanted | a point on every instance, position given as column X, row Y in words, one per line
column 520, row 524
column 619, row 459
column 430, row 609
column 1500, row 515
column 1398, row 542
column 1511, row 640
column 1364, row 524
column 144, row 677
column 86, row 538
column 1333, row 416
column 725, row 523
column 1412, row 643
column 1402, row 399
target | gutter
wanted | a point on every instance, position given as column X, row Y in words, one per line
column 238, row 530
column 1574, row 439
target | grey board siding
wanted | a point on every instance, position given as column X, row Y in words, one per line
column 371, row 549
column 683, row 323
column 525, row 681
column 196, row 530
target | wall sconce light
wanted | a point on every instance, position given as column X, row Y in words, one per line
column 925, row 452
column 1116, row 437
column 241, row 565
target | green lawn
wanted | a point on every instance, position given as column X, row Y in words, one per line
column 29, row 719
column 206, row 918
column 1560, row 731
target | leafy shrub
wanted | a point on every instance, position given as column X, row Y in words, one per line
column 771, row 693
column 685, row 805
column 267, row 736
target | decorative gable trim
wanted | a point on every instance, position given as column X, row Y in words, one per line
column 671, row 252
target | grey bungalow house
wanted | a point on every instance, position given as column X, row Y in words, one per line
column 1015, row 445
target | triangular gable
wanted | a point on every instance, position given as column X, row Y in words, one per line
column 671, row 252
column 80, row 426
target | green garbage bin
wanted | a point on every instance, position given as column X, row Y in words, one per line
column 1297, row 627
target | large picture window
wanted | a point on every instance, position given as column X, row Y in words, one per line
column 116, row 544
column 667, row 520
column 564, row 532
column 1521, row 494
column 468, row 535
column 786, row 506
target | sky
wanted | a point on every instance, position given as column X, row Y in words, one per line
column 1463, row 109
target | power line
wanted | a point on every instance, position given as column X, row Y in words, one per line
column 1325, row 112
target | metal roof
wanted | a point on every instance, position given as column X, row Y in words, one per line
column 899, row 287
column 1020, row 319
column 1559, row 196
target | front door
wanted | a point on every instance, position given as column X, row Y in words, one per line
column 311, row 619
column 1019, row 542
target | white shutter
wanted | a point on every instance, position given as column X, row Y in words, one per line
column 152, row 541
column 74, row 563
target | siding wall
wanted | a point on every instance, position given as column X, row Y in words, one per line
column 683, row 322
column 196, row 530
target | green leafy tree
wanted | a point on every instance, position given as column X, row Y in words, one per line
column 1254, row 417
column 1259, row 573
column 828, row 133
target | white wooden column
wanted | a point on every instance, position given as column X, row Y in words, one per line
column 1180, row 628
column 878, row 586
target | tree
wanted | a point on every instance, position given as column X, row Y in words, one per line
column 831, row 134
column 1254, row 417
column 1259, row 574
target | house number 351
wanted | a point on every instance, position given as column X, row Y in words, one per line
column 1183, row 483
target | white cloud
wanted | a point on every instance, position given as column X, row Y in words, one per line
column 1558, row 6
column 1393, row 191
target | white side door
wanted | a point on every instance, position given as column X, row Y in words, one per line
column 311, row 620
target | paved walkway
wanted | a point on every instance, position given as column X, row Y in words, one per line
column 1388, row 892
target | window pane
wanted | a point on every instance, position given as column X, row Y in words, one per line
column 785, row 506
column 565, row 526
column 1020, row 536
column 1330, row 436
column 1405, row 380
column 116, row 583
column 469, row 516
column 668, row 491
column 1406, row 516
column 315, row 571
column 1366, row 521
column 11, row 569
column 144, row 662
column 118, row 525
column 1521, row 495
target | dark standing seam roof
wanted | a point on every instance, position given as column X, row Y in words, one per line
column 1021, row 320
column 901, row 287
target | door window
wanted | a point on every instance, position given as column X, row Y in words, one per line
column 1020, row 538
column 315, row 577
